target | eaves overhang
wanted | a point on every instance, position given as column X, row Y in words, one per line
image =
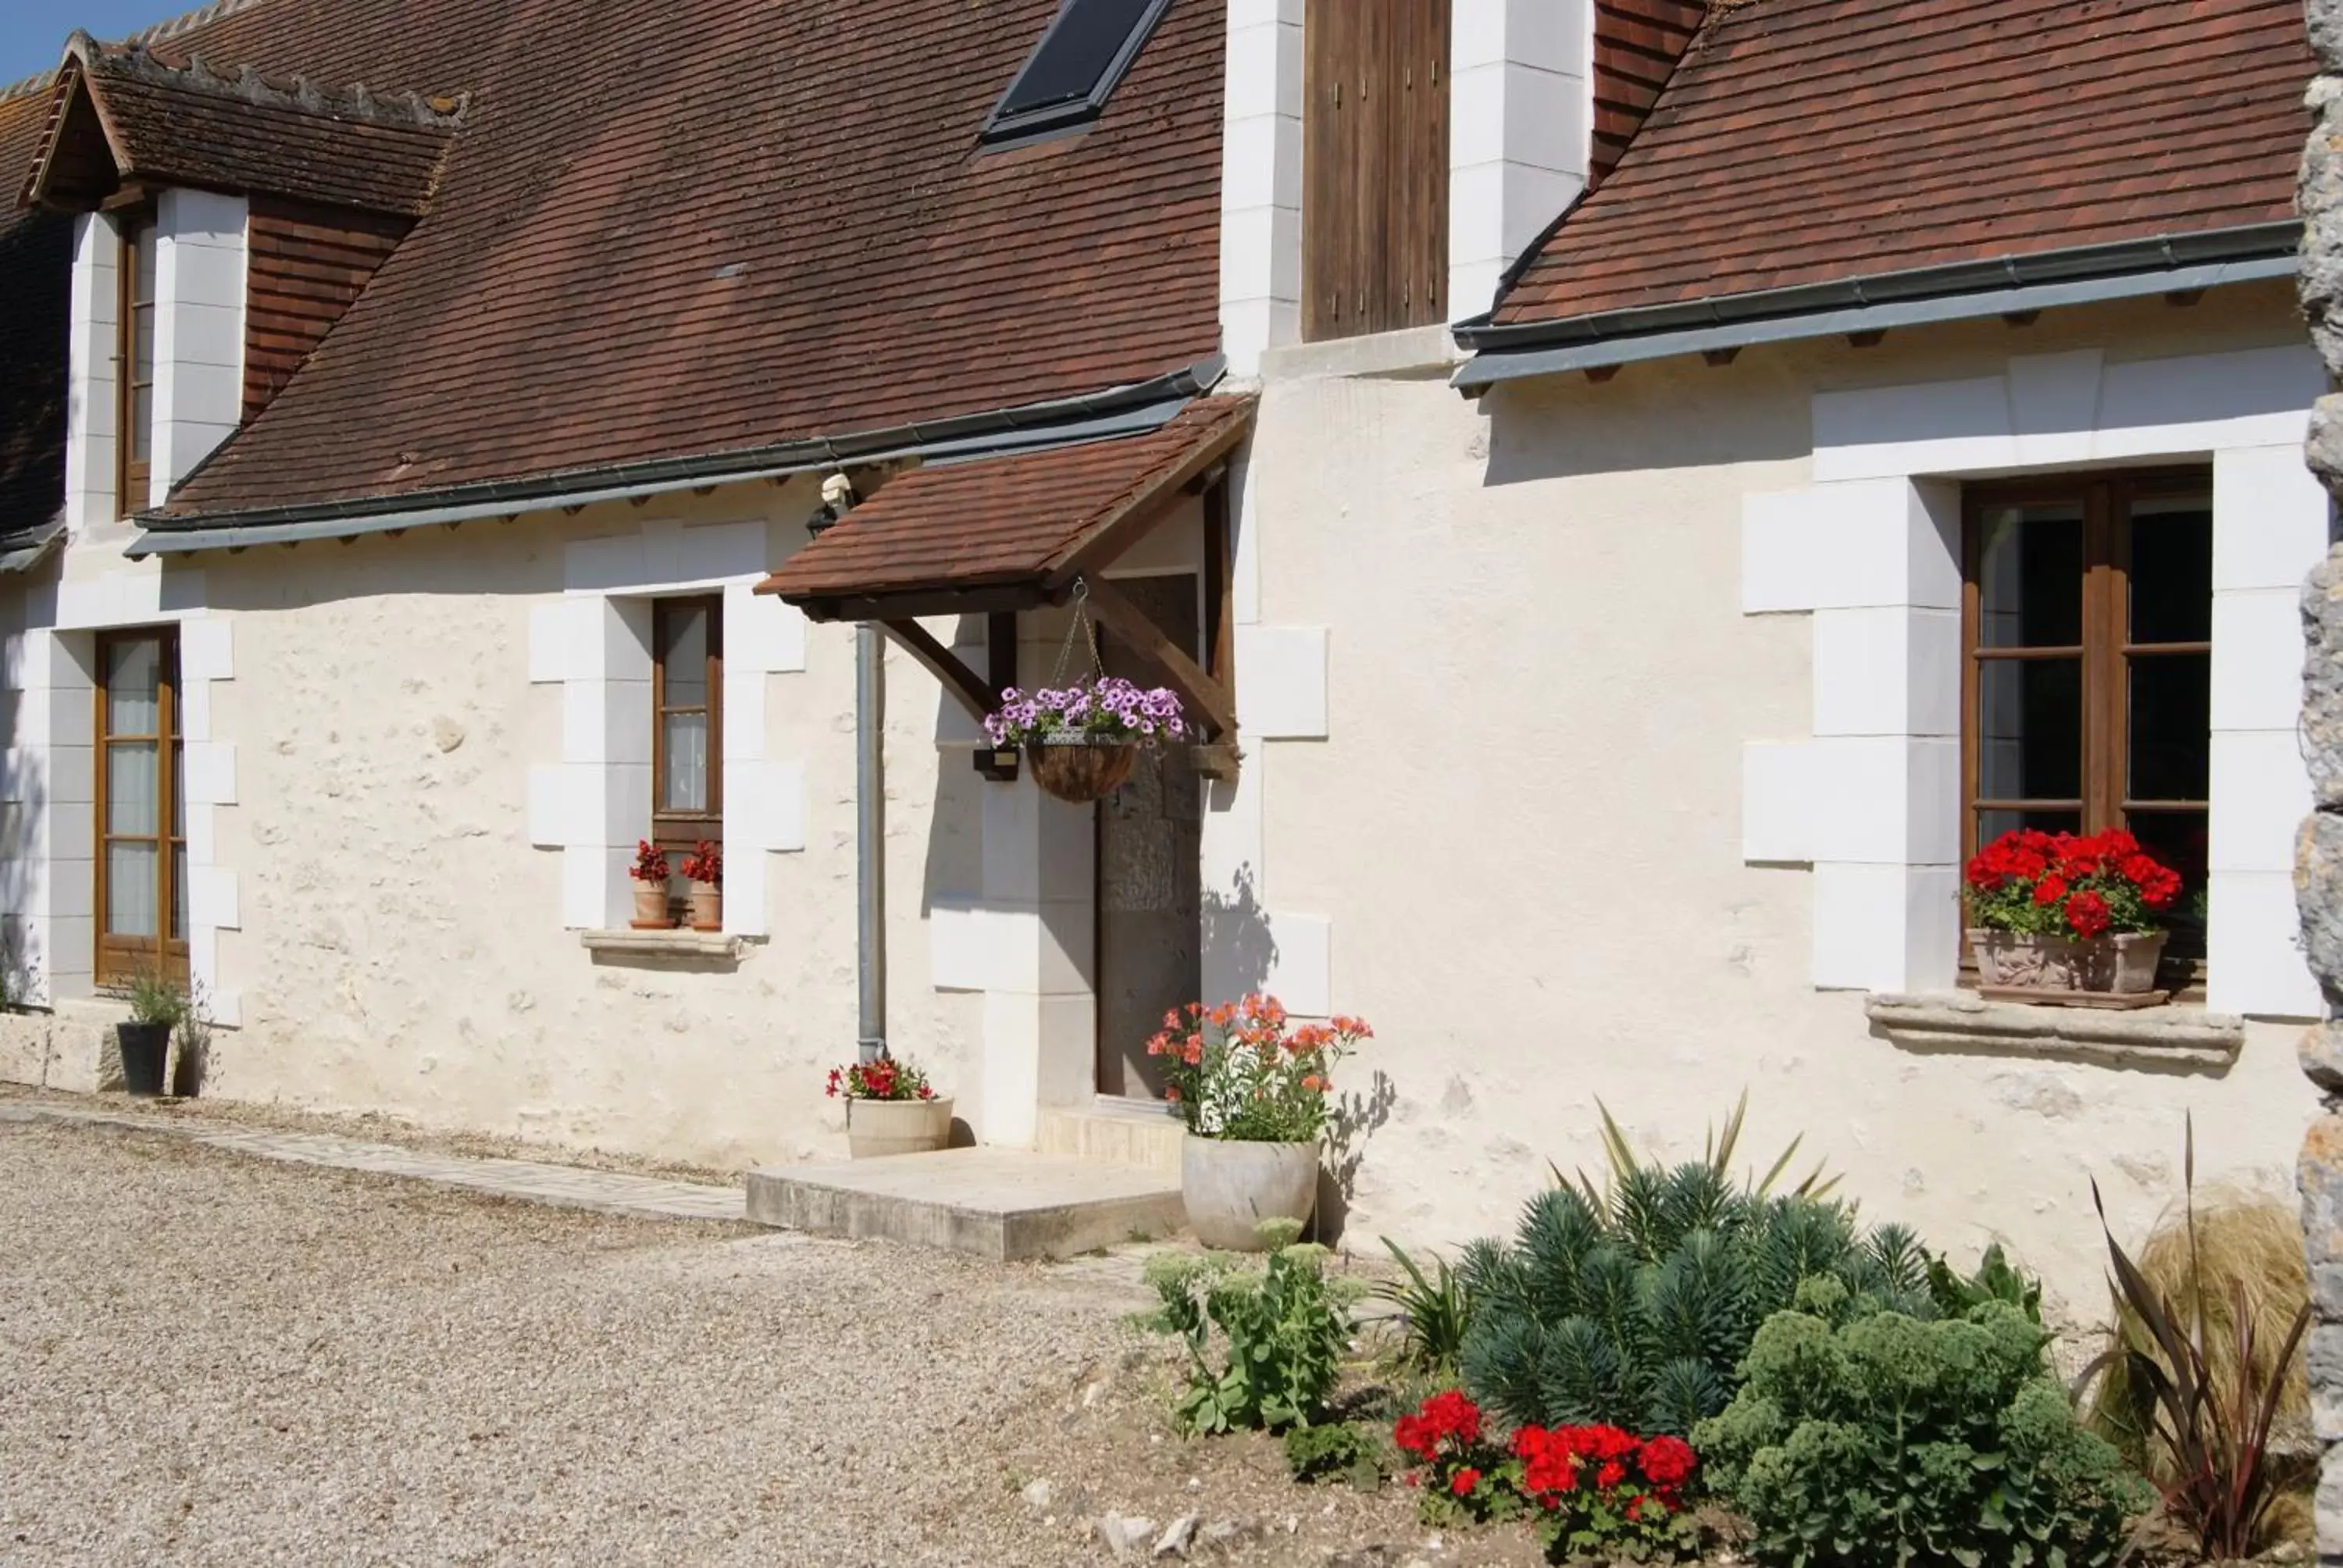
column 2010, row 285
column 1120, row 410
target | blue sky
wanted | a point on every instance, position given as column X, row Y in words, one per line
column 32, row 32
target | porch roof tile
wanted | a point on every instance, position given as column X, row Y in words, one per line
column 1013, row 521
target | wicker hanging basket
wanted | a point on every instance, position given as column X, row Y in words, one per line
column 1077, row 768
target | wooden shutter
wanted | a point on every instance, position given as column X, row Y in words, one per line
column 1374, row 182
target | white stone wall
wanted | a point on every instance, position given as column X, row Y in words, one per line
column 199, row 294
column 1527, row 818
column 1520, row 124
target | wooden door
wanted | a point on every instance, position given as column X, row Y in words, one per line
column 1374, row 177
column 1150, row 874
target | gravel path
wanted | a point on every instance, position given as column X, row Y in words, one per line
column 209, row 1358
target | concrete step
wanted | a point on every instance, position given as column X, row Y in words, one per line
column 992, row 1204
column 1107, row 1134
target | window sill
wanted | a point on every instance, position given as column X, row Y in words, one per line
column 2167, row 1039
column 678, row 943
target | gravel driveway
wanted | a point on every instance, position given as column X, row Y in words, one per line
column 206, row 1359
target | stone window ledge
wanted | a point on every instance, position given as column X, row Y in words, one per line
column 2170, row 1039
column 677, row 943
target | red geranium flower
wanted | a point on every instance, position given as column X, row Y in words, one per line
column 1464, row 1481
column 2049, row 890
column 1667, row 1462
column 2088, row 913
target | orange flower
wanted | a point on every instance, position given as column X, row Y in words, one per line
column 1173, row 1094
column 1172, row 1018
column 1194, row 1053
column 1311, row 1081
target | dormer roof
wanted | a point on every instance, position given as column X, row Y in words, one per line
column 122, row 115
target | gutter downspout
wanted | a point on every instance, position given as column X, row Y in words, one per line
column 870, row 836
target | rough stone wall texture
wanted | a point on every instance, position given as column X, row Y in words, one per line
column 2318, row 849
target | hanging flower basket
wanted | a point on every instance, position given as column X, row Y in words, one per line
column 2060, row 917
column 1079, row 769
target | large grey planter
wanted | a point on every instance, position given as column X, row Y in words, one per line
column 876, row 1128
column 1232, row 1187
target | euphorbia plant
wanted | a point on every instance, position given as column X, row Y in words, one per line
column 1109, row 710
column 705, row 863
column 2056, row 884
column 650, row 865
column 888, row 1078
column 1240, row 1071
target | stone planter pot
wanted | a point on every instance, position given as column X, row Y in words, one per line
column 145, row 1047
column 2115, row 965
column 706, row 907
column 1078, row 769
column 1231, row 1187
column 878, row 1128
column 650, row 908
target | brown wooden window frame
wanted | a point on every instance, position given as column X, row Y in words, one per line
column 118, row 960
column 2105, row 653
column 131, row 477
column 682, row 831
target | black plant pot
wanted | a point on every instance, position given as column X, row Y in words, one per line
column 144, row 1048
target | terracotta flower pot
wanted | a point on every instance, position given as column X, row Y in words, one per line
column 878, row 1128
column 1232, row 1187
column 650, row 907
column 1078, row 769
column 706, row 907
column 2120, row 965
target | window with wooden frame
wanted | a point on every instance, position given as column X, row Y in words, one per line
column 134, row 361
column 2087, row 617
column 686, row 722
column 141, row 811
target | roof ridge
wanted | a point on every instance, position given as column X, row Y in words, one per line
column 134, row 62
column 169, row 27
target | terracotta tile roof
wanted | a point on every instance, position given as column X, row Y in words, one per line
column 35, row 268
column 1017, row 520
column 702, row 225
column 189, row 125
column 1810, row 141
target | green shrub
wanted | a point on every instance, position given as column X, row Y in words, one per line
column 1995, row 1280
column 1336, row 1451
column 1864, row 1437
column 1436, row 1308
column 1283, row 1326
column 1633, row 1307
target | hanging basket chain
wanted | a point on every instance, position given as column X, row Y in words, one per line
column 1080, row 624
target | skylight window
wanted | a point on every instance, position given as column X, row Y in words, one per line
column 1072, row 70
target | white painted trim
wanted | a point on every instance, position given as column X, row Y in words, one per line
column 1871, row 549
column 1261, row 182
column 1521, row 108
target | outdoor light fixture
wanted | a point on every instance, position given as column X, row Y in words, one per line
column 836, row 500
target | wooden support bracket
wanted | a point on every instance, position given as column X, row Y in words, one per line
column 1199, row 692
column 945, row 665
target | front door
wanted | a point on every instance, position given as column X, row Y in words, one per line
column 1150, row 884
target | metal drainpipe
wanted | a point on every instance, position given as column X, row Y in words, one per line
column 871, row 834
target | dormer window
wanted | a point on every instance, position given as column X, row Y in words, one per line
column 1073, row 70
column 134, row 356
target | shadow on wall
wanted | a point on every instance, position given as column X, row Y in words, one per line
column 1350, row 1121
column 23, row 787
column 1240, row 949
column 1653, row 416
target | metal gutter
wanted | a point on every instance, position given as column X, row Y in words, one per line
column 1130, row 409
column 1960, row 291
column 29, row 551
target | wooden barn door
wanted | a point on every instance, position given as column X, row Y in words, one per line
column 1374, row 178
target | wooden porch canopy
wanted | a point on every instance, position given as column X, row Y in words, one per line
column 1007, row 534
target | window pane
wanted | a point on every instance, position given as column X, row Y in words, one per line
column 131, row 803
column 2179, row 839
column 2030, row 729
column 130, row 890
column 2171, row 727
column 683, row 657
column 178, row 791
column 1992, row 825
column 142, row 430
column 179, row 892
column 2030, row 577
column 685, row 738
column 142, row 345
column 133, row 684
column 142, row 279
column 2172, row 569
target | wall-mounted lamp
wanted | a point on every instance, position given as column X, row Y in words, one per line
column 837, row 499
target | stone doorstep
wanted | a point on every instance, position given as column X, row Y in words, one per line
column 1111, row 1135
column 998, row 1204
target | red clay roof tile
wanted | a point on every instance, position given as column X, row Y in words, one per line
column 35, row 269
column 703, row 225
column 1002, row 521
column 1811, row 141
